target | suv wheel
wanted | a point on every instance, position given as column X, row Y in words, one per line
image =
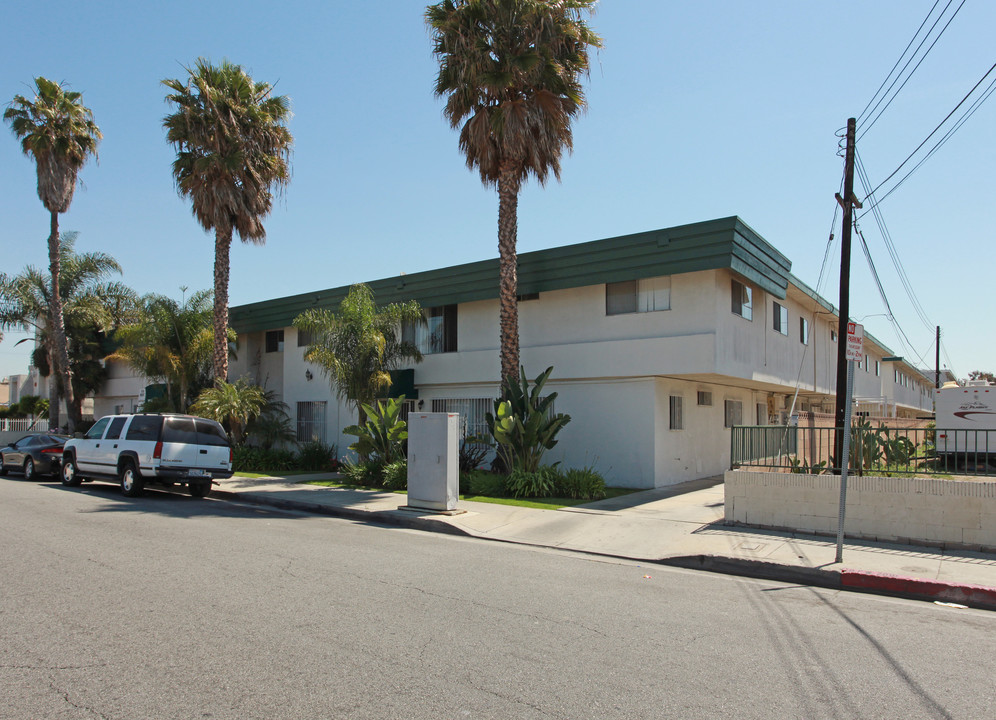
column 70, row 473
column 131, row 481
column 199, row 489
column 29, row 469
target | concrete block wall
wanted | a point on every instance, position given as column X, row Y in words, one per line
column 926, row 511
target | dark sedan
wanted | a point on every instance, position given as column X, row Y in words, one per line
column 33, row 455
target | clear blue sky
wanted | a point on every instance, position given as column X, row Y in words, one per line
column 696, row 111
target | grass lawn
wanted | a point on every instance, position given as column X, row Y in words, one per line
column 546, row 503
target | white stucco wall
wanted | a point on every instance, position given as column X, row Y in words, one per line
column 933, row 511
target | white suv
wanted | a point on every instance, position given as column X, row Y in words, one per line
column 134, row 450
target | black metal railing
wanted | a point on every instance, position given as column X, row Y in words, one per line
column 873, row 450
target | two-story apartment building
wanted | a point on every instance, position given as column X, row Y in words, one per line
column 660, row 342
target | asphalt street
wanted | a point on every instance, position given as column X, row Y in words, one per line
column 171, row 607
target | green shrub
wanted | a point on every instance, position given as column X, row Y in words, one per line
column 396, row 475
column 473, row 450
column 484, row 483
column 316, row 455
column 369, row 473
column 582, row 483
column 542, row 483
column 384, row 432
column 251, row 459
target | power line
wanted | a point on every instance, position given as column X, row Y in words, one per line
column 891, row 248
column 932, row 133
column 961, row 121
column 922, row 58
column 908, row 45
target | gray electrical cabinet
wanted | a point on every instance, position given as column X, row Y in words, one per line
column 433, row 460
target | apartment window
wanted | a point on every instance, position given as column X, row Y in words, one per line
column 525, row 297
column 472, row 411
column 780, row 318
column 704, row 397
column 734, row 413
column 866, row 363
column 804, row 331
column 631, row 296
column 437, row 335
column 742, row 300
column 833, row 335
column 895, row 376
column 311, row 421
column 762, row 413
column 878, row 368
column 305, row 338
column 274, row 341
column 677, row 421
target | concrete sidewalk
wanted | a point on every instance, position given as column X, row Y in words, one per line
column 680, row 525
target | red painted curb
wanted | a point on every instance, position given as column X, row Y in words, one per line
column 975, row 595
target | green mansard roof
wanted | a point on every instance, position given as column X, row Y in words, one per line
column 712, row 245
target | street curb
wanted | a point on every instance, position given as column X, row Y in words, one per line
column 397, row 518
column 977, row 596
column 760, row 569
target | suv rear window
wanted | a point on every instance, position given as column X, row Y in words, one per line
column 144, row 427
column 184, row 430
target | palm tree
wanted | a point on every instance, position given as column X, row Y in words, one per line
column 235, row 403
column 58, row 131
column 359, row 346
column 171, row 342
column 232, row 150
column 510, row 71
column 92, row 307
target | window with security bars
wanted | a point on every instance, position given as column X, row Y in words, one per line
column 677, row 421
column 311, row 421
column 274, row 341
column 472, row 413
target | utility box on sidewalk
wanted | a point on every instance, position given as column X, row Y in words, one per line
column 433, row 461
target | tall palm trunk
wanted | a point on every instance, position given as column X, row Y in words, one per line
column 60, row 356
column 508, row 276
column 222, row 268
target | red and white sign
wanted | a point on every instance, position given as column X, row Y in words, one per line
column 855, row 342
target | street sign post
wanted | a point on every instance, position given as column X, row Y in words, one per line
column 854, row 353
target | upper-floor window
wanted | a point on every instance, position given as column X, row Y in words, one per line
column 742, row 300
column 804, row 331
column 833, row 335
column 644, row 295
column 704, row 397
column 780, row 318
column 274, row 341
column 438, row 334
column 878, row 368
column 305, row 338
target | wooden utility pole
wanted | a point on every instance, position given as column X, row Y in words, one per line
column 848, row 202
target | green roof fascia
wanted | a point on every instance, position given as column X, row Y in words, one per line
column 711, row 245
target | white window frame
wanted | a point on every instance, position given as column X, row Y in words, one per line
column 780, row 318
column 638, row 296
column 742, row 296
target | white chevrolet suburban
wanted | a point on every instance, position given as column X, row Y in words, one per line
column 149, row 448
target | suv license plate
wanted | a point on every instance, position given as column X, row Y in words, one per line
column 197, row 473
